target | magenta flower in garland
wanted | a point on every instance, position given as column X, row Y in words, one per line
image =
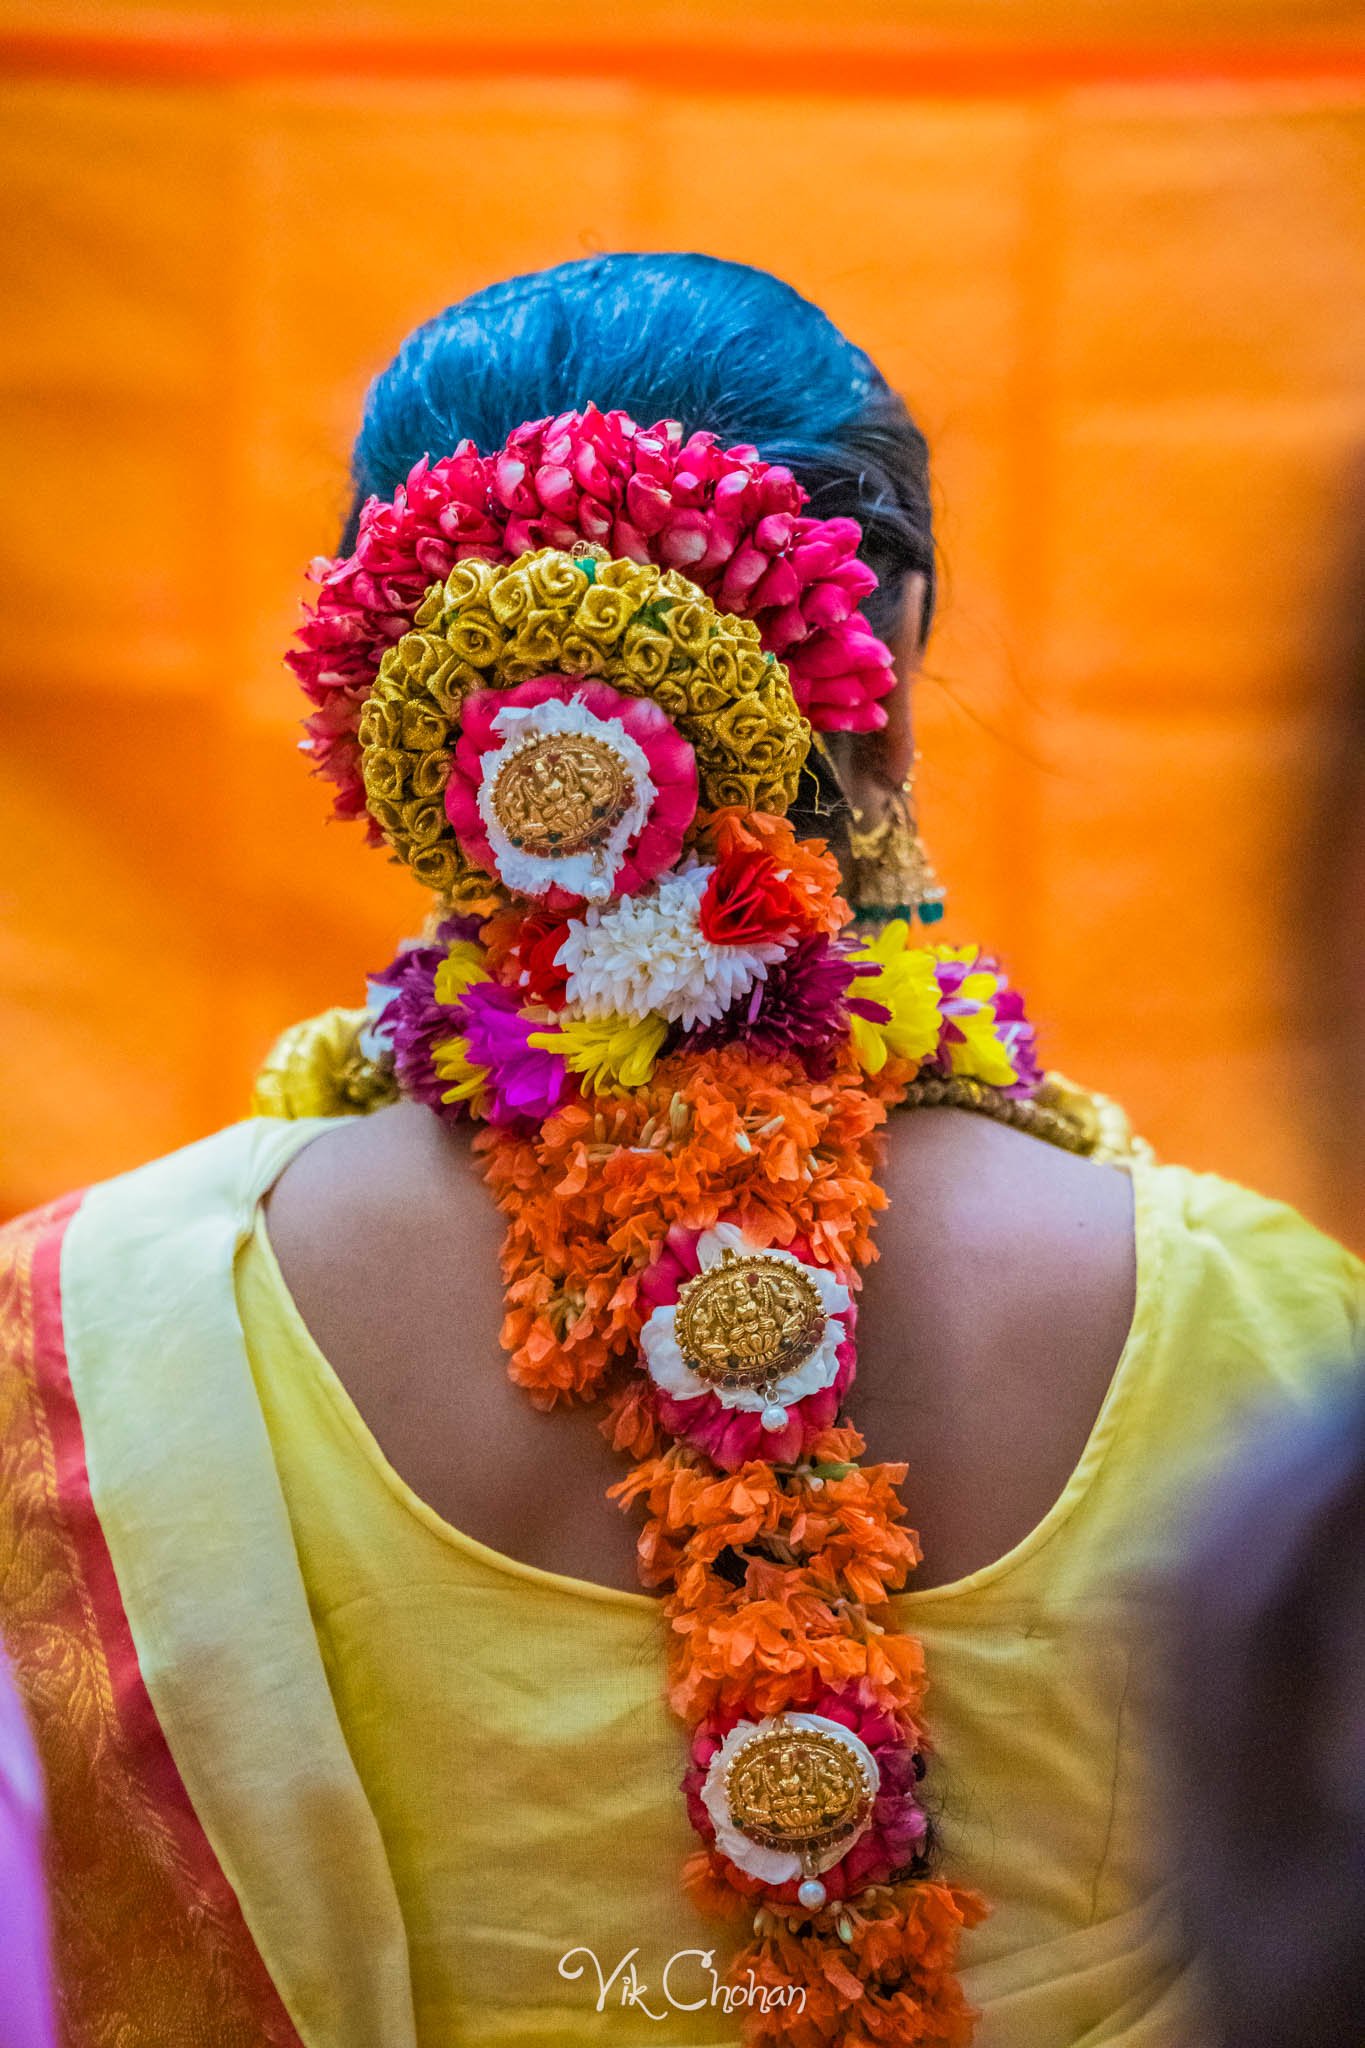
column 413, row 1022
column 1020, row 1041
column 801, row 1009
column 984, row 1030
column 523, row 1080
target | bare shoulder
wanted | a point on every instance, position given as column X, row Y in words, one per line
column 978, row 1204
column 398, row 1160
column 991, row 1324
column 389, row 1243
column 383, row 1227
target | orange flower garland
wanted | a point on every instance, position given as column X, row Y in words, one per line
column 682, row 1062
column 819, row 1547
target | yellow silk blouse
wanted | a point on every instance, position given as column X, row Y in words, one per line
column 508, row 1726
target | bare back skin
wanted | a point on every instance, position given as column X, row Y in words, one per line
column 988, row 1334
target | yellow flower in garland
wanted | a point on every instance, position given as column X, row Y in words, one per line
column 462, row 969
column 469, row 1083
column 969, row 992
column 906, row 985
column 611, row 1053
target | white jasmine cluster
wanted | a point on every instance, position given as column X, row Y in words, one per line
column 646, row 955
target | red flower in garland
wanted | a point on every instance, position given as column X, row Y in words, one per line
column 534, row 958
column 749, row 900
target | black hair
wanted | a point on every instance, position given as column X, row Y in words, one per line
column 715, row 345
column 720, row 347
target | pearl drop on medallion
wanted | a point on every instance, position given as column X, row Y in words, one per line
column 812, row 1893
column 774, row 1416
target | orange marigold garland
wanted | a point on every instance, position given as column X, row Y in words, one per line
column 644, row 988
column 775, row 1575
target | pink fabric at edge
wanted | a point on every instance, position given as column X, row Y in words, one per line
column 25, row 1973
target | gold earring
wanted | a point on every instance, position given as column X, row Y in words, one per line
column 892, row 874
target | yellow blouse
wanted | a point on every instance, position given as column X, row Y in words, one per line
column 508, row 1727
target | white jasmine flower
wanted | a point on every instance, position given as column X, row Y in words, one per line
column 647, row 955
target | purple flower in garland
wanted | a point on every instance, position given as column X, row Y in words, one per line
column 801, row 1008
column 523, row 1081
column 1019, row 1039
column 985, row 1030
column 413, row 1021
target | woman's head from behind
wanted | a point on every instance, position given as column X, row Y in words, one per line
column 719, row 347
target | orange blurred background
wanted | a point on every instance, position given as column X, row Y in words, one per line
column 1113, row 254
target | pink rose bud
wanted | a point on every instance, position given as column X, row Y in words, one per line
column 846, row 532
column 594, row 520
column 816, row 556
column 648, row 504
column 746, row 566
column 847, row 691
column 556, row 490
column 827, row 604
column 628, row 543
column 722, row 540
column 509, row 481
column 779, row 491
column 786, row 628
column 862, row 646
column 841, row 650
column 773, row 533
column 591, row 471
column 436, row 558
column 689, row 487
column 780, row 586
column 731, row 491
column 684, row 541
column 856, row 578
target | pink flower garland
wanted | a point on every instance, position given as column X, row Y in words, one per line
column 726, row 519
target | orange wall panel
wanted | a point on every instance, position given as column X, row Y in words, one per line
column 1116, row 259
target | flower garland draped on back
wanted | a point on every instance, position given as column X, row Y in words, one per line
column 645, row 987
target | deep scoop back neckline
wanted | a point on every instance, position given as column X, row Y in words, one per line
column 1149, row 1248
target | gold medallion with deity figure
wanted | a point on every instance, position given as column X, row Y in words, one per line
column 562, row 793
column 748, row 1320
column 801, row 1789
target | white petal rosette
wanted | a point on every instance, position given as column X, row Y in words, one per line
column 647, row 956
column 667, row 1360
column 770, row 1865
column 591, row 873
